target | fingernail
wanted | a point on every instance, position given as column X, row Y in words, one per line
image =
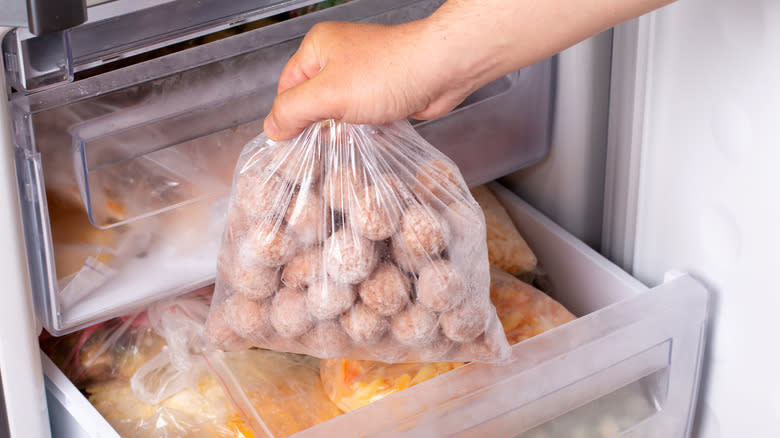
column 270, row 128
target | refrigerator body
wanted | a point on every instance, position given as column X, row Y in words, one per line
column 633, row 345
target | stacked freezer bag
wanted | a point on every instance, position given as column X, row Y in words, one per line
column 355, row 241
column 153, row 374
column 150, row 375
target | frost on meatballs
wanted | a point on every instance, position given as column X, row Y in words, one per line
column 304, row 269
column 268, row 244
column 349, row 258
column 386, row 290
column 424, row 232
column 416, row 326
column 364, row 325
column 247, row 317
column 328, row 299
column 289, row 315
column 440, row 286
column 308, row 216
column 376, row 214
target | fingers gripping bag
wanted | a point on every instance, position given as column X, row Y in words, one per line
column 357, row 241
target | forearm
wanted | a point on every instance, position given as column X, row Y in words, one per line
column 484, row 39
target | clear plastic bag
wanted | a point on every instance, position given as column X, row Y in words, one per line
column 355, row 241
column 523, row 310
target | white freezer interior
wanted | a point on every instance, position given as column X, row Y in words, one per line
column 631, row 345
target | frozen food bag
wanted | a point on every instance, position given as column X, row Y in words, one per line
column 506, row 247
column 151, row 375
column 524, row 312
column 356, row 241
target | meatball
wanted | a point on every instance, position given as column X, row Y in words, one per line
column 327, row 299
column 288, row 313
column 304, row 269
column 269, row 245
column 255, row 282
column 405, row 260
column 341, row 185
column 468, row 320
column 440, row 286
column 377, row 213
column 424, row 232
column 247, row 317
column 327, row 340
column 295, row 162
column 490, row 346
column 415, row 326
column 386, row 290
column 308, row 216
column 363, row 325
column 439, row 182
column 218, row 332
column 439, row 349
column 349, row 258
column 261, row 194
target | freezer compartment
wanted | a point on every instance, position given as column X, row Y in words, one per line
column 634, row 353
column 139, row 160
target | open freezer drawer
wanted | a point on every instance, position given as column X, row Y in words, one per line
column 633, row 353
column 148, row 151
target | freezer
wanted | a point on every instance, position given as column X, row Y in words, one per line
column 131, row 139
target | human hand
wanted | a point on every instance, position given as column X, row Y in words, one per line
column 365, row 73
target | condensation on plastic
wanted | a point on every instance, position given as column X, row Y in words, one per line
column 523, row 310
column 357, row 241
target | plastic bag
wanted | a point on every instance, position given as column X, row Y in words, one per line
column 151, row 375
column 524, row 312
column 356, row 241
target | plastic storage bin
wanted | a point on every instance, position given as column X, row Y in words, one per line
column 632, row 359
column 172, row 127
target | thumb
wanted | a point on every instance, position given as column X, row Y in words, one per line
column 300, row 106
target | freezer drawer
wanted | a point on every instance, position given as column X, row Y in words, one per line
column 634, row 353
column 142, row 158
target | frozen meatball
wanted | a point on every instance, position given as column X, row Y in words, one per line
column 247, row 317
column 327, row 339
column 304, row 269
column 465, row 221
column 262, row 194
column 439, row 182
column 297, row 163
column 405, row 260
column 288, row 313
column 386, row 290
column 468, row 320
column 377, row 212
column 415, row 326
column 219, row 334
column 256, row 282
column 439, row 349
column 341, row 185
column 327, row 299
column 440, row 286
column 364, row 325
column 237, row 224
column 490, row 346
column 269, row 245
column 388, row 350
column 349, row 258
column 424, row 232
column 308, row 217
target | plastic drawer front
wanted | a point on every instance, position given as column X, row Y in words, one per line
column 632, row 346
